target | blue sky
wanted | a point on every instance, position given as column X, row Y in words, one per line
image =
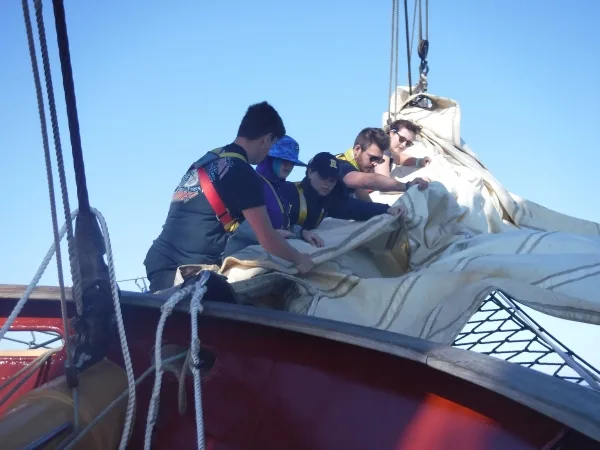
column 160, row 83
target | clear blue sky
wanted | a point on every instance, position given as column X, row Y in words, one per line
column 159, row 83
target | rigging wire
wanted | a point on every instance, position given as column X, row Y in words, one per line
column 392, row 58
column 408, row 44
column 410, row 37
column 49, row 176
column 73, row 256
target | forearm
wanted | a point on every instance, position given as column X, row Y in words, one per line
column 376, row 182
column 405, row 160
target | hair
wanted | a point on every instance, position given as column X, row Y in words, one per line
column 403, row 123
column 370, row 136
column 261, row 119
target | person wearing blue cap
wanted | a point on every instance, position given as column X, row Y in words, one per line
column 321, row 194
column 274, row 170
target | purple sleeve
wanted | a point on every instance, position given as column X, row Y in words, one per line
column 272, row 205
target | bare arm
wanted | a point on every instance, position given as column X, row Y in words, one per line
column 373, row 182
column 272, row 241
column 404, row 160
column 384, row 167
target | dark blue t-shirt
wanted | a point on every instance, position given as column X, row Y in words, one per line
column 192, row 234
column 338, row 204
column 345, row 168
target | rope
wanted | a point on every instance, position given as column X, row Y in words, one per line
column 408, row 44
column 393, row 34
column 196, row 308
column 82, row 197
column 71, row 444
column 74, row 264
column 73, row 257
column 426, row 19
column 198, row 289
column 71, row 106
column 397, row 38
column 121, row 328
column 423, row 46
column 412, row 31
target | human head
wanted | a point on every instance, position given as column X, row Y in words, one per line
column 261, row 127
column 323, row 173
column 402, row 134
column 368, row 148
column 284, row 154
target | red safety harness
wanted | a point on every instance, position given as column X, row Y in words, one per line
column 212, row 196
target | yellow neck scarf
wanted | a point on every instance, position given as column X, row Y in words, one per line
column 348, row 155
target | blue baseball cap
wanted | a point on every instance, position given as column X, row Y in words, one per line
column 325, row 164
column 287, row 149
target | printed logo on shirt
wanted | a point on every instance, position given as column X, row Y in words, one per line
column 218, row 169
column 188, row 188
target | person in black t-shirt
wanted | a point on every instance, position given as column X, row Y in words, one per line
column 357, row 166
column 321, row 194
column 221, row 183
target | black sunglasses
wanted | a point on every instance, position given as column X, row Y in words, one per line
column 375, row 159
column 402, row 139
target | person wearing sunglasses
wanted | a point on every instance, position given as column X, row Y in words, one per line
column 357, row 166
column 402, row 134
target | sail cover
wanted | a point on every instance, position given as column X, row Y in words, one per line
column 426, row 275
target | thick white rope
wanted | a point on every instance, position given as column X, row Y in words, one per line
column 195, row 309
column 166, row 310
column 121, row 327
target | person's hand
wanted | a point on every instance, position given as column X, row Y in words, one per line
column 425, row 161
column 396, row 211
column 285, row 233
column 423, row 183
column 304, row 264
column 312, row 238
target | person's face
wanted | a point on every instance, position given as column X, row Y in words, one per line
column 285, row 168
column 401, row 139
column 323, row 185
column 367, row 159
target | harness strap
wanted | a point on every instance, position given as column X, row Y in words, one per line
column 212, row 196
column 302, row 213
column 303, row 209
